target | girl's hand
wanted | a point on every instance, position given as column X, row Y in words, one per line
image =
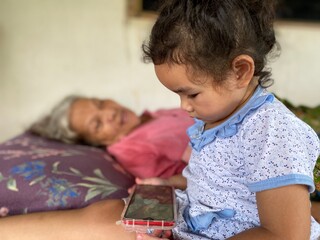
column 4, row 211
column 157, row 234
column 186, row 155
column 152, row 181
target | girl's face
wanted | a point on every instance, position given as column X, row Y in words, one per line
column 210, row 104
column 101, row 122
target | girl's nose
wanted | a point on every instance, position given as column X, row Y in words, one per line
column 184, row 104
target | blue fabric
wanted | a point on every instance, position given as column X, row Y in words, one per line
column 282, row 181
column 203, row 221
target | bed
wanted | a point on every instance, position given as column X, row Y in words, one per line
column 37, row 174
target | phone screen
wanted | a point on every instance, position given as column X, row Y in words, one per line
column 153, row 203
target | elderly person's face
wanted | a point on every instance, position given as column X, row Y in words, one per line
column 101, row 122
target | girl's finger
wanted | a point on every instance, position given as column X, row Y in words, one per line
column 141, row 236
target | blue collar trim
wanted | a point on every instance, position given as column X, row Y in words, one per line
column 200, row 138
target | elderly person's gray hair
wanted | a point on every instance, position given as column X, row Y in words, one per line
column 56, row 124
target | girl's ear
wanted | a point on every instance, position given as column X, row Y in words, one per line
column 243, row 68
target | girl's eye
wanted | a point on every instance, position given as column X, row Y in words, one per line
column 193, row 95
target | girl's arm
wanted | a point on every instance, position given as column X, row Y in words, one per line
column 178, row 181
column 284, row 214
column 95, row 222
column 186, row 155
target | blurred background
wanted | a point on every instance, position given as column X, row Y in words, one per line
column 53, row 48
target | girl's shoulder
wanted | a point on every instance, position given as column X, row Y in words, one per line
column 275, row 116
column 273, row 110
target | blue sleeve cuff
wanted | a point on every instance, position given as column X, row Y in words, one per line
column 281, row 182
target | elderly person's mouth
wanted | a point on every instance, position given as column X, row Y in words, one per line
column 123, row 117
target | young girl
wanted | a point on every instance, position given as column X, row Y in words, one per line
column 251, row 166
column 250, row 171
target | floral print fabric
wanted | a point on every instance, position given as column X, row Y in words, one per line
column 37, row 174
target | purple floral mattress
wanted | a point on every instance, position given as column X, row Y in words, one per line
column 37, row 174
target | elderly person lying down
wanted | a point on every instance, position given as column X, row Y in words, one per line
column 154, row 144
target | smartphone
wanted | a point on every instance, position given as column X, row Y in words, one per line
column 150, row 207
